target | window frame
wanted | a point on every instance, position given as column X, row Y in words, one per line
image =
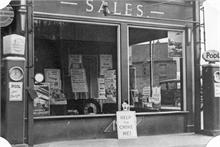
column 183, row 74
column 118, row 60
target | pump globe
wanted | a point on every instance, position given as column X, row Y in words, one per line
column 4, row 142
column 215, row 142
column 4, row 3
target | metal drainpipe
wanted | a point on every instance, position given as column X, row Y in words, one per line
column 29, row 70
column 197, row 52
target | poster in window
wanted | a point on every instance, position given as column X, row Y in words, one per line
column 175, row 44
column 105, row 63
column 101, row 88
column 110, row 85
column 75, row 62
column 42, row 101
column 156, row 97
column 78, row 80
column 52, row 76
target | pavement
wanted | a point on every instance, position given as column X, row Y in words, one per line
column 168, row 140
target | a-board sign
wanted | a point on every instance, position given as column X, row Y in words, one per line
column 126, row 124
column 211, row 56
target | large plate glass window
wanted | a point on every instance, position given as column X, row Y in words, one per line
column 156, row 69
column 79, row 63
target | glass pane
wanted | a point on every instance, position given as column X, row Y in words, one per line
column 155, row 70
column 79, row 64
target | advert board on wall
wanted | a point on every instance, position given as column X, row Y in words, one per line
column 126, row 124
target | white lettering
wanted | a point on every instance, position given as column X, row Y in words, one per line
column 139, row 9
column 101, row 6
column 115, row 9
column 90, row 6
column 128, row 9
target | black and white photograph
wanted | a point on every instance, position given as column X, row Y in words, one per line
column 110, row 73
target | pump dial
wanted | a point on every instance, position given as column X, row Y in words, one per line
column 16, row 73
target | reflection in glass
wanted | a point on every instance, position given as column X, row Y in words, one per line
column 79, row 63
column 155, row 75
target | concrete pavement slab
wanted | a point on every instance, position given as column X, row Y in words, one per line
column 170, row 140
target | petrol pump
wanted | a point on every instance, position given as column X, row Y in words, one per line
column 211, row 93
column 13, row 88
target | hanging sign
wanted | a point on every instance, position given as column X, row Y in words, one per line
column 6, row 16
column 126, row 124
column 211, row 56
column 15, row 91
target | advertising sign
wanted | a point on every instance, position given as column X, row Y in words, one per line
column 94, row 8
column 75, row 62
column 105, row 63
column 156, row 95
column 110, row 85
column 211, row 56
column 101, row 88
column 15, row 91
column 42, row 101
column 156, row 98
column 126, row 124
column 146, row 91
column 78, row 80
column 52, row 76
column 14, row 44
column 175, row 44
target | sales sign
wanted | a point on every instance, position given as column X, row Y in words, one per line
column 126, row 124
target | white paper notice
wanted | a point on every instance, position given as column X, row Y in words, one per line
column 217, row 89
column 15, row 91
column 126, row 124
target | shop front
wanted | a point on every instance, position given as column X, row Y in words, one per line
column 88, row 57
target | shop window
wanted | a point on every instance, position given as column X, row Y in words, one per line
column 79, row 64
column 158, row 84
